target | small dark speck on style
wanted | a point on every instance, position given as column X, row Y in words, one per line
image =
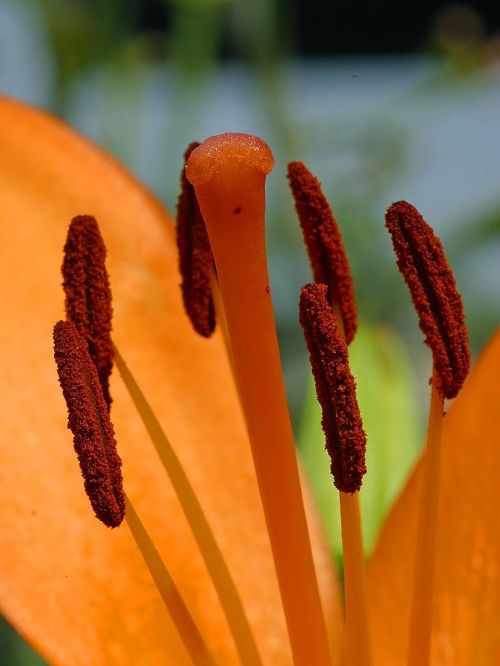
column 268, row 290
column 237, row 210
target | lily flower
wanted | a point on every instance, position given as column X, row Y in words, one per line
column 82, row 594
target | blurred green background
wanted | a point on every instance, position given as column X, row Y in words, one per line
column 381, row 105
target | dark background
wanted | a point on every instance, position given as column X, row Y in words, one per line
column 320, row 28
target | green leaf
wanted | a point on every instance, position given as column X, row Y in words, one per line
column 389, row 407
column 14, row 651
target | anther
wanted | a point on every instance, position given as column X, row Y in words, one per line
column 335, row 388
column 323, row 240
column 88, row 294
column 195, row 257
column 88, row 420
column 423, row 264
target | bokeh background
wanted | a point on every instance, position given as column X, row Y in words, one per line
column 382, row 102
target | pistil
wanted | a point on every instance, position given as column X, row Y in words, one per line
column 228, row 173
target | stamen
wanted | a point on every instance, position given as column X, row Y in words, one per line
column 202, row 532
column 422, row 262
column 195, row 257
column 335, row 387
column 346, row 444
column 88, row 294
column 228, row 172
column 88, row 420
column 433, row 289
column 325, row 247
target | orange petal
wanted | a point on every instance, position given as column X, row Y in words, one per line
column 467, row 605
column 79, row 592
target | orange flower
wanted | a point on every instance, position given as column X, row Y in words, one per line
column 81, row 593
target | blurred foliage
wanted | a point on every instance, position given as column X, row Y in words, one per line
column 197, row 32
column 14, row 651
column 83, row 34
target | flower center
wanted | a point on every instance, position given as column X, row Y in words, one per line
column 222, row 257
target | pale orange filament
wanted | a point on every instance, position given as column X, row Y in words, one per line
column 228, row 173
column 177, row 609
column 357, row 638
column 423, row 583
column 228, row 594
column 357, row 629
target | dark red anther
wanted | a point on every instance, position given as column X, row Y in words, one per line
column 335, row 388
column 196, row 262
column 433, row 289
column 325, row 247
column 88, row 294
column 88, row 420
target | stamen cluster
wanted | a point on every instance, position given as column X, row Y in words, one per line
column 83, row 352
